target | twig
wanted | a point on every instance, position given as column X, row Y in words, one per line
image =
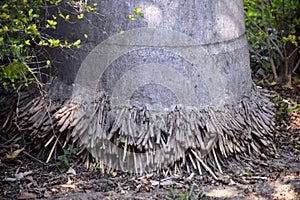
column 204, row 165
column 257, row 178
column 297, row 65
column 51, row 152
column 34, row 158
column 216, row 160
column 199, row 168
column 125, row 149
column 293, row 52
column 135, row 164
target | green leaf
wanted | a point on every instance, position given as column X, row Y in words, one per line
column 251, row 12
column 27, row 42
column 273, row 83
column 293, row 108
column 121, row 139
column 62, row 16
column 77, row 43
column 51, row 23
column 54, row 42
column 142, row 15
column 4, row 16
column 30, row 13
column 138, row 10
column 80, row 16
column 131, row 17
column 245, row 174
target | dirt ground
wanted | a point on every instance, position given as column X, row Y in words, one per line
column 275, row 177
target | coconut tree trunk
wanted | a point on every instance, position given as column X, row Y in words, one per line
column 174, row 89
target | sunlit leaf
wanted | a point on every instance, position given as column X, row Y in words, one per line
column 138, row 10
column 131, row 17
column 273, row 83
column 4, row 6
column 80, row 16
column 54, row 42
column 4, row 16
column 51, row 22
column 27, row 42
column 62, row 16
column 43, row 43
column 245, row 174
column 77, row 43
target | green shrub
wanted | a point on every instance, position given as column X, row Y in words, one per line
column 68, row 159
column 22, row 34
column 273, row 31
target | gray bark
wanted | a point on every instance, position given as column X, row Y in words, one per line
column 216, row 28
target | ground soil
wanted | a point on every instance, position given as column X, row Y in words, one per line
column 273, row 177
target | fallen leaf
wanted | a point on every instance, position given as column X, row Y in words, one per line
column 114, row 174
column 10, row 156
column 71, row 171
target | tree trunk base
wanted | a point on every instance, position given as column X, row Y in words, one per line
column 137, row 140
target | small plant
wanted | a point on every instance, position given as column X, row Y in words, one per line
column 121, row 139
column 190, row 193
column 68, row 159
column 95, row 167
column 283, row 107
column 172, row 194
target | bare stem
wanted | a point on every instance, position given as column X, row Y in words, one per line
column 270, row 51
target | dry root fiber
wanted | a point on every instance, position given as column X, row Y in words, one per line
column 138, row 140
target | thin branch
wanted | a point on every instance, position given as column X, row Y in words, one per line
column 271, row 40
column 270, row 51
column 297, row 65
column 34, row 158
column 291, row 54
column 204, row 165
